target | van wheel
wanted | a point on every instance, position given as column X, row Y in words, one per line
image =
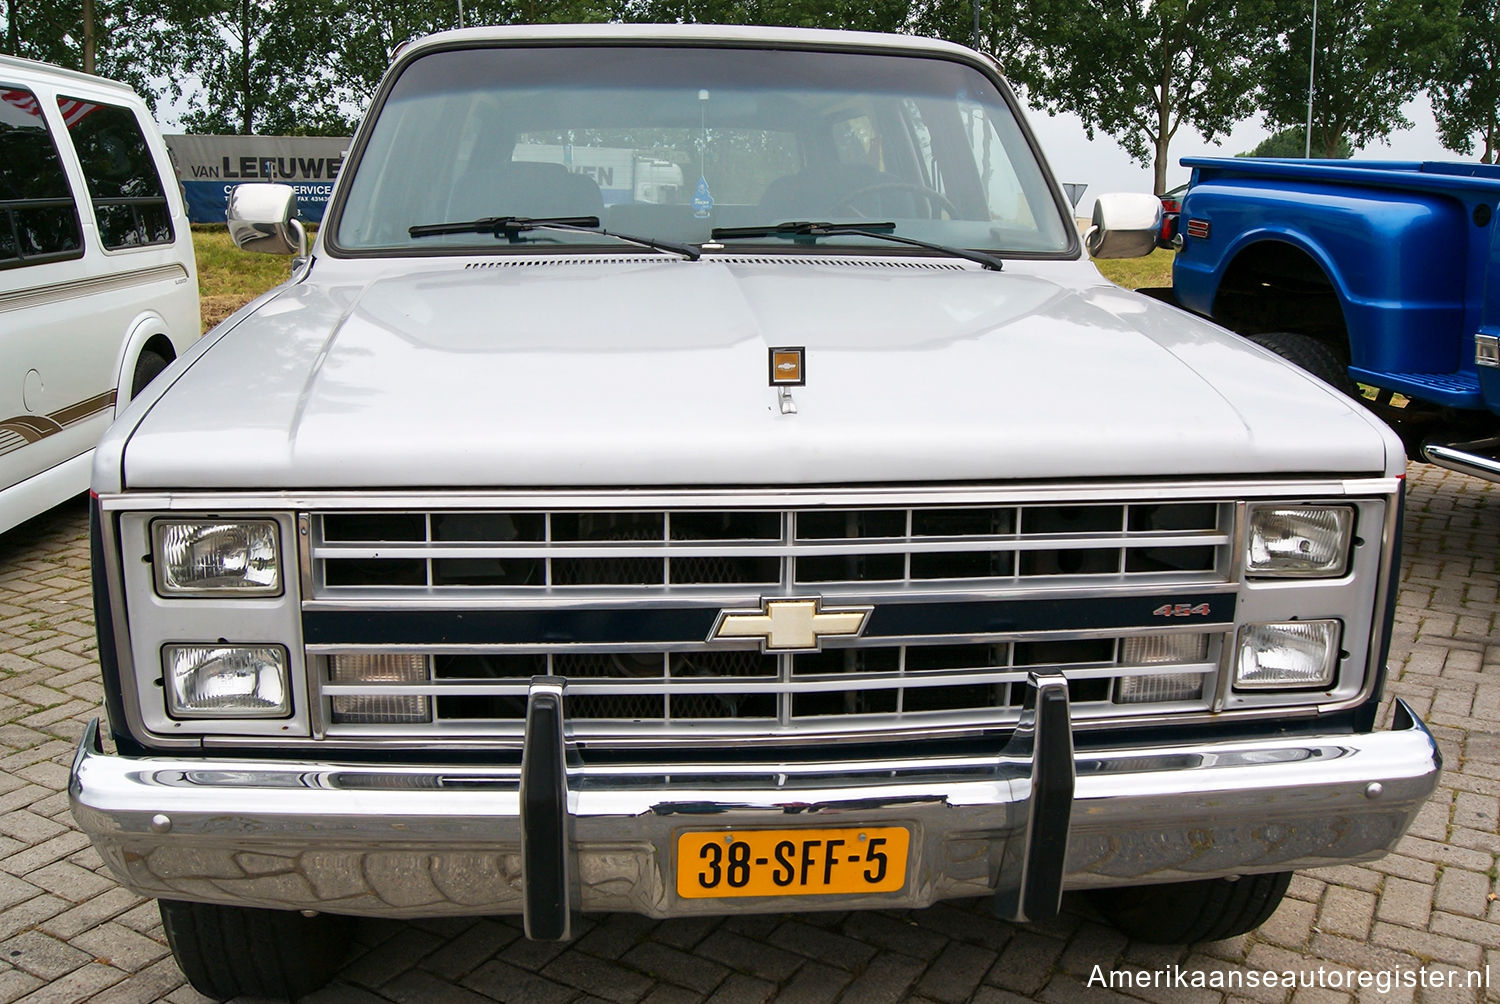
column 234, row 951
column 1182, row 913
column 147, row 367
column 1310, row 354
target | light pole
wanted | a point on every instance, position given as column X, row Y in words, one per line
column 1312, row 58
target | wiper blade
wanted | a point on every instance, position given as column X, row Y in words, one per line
column 807, row 230
column 512, row 227
column 503, row 226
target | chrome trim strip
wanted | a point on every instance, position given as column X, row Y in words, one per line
column 772, row 497
column 36, row 295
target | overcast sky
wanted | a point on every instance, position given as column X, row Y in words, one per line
column 1105, row 167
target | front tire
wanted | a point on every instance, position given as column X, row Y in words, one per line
column 1183, row 913
column 234, row 951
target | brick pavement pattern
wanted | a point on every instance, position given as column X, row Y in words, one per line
column 69, row 933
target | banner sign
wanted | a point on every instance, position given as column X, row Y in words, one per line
column 210, row 166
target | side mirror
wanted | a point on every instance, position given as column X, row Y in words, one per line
column 264, row 218
column 1126, row 225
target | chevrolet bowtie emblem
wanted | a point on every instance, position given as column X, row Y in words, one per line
column 790, row 625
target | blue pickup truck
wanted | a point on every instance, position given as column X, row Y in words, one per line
column 1382, row 278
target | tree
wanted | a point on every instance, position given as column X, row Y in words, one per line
column 265, row 66
column 1136, row 69
column 373, row 29
column 1292, row 142
column 1372, row 56
column 1465, row 86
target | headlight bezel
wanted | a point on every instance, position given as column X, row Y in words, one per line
column 168, row 589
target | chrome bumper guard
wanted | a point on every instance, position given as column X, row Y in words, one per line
column 554, row 837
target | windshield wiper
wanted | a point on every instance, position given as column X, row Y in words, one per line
column 806, row 230
column 512, row 227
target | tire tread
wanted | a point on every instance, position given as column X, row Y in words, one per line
column 1182, row 913
column 230, row 951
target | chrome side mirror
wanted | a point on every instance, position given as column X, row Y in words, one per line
column 1126, row 225
column 264, row 218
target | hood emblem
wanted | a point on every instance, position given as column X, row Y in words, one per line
column 787, row 366
column 788, row 370
column 790, row 625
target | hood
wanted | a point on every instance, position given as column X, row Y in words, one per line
column 654, row 371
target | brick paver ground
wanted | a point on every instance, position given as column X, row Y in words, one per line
column 69, row 933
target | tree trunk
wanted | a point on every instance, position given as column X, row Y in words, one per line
column 1163, row 136
column 12, row 29
column 247, row 119
column 88, row 36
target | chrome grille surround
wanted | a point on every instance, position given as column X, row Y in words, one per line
column 895, row 683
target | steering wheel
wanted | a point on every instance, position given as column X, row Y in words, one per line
column 935, row 200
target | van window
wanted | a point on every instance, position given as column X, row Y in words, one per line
column 38, row 220
column 130, row 205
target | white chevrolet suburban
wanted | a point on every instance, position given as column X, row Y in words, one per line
column 807, row 526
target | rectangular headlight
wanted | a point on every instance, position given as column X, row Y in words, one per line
column 1287, row 655
column 216, row 558
column 226, row 681
column 1298, row 541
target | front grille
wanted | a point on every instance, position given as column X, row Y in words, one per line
column 619, row 603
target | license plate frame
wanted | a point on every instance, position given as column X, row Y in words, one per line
column 827, row 861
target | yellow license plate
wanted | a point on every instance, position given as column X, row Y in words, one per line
column 722, row 863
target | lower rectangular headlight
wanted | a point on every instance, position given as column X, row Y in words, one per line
column 376, row 708
column 1287, row 655
column 226, row 681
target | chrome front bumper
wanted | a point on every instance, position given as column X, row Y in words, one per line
column 414, row 841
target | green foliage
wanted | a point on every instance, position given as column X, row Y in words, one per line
column 1465, row 87
column 263, row 66
column 51, row 31
column 1292, row 142
column 1137, row 71
column 373, row 29
column 1372, row 56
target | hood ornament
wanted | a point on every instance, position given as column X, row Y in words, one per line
column 788, row 370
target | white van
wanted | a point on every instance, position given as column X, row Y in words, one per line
column 98, row 288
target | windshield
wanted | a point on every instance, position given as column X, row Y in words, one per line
column 672, row 142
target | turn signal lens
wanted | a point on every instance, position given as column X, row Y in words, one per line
column 377, row 708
